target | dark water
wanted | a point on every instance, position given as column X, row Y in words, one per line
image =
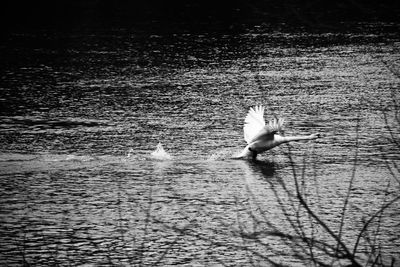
column 74, row 104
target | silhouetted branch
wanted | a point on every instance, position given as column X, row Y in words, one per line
column 346, row 252
column 353, row 175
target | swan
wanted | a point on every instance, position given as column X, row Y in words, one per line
column 261, row 137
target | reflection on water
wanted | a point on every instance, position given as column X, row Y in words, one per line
column 74, row 105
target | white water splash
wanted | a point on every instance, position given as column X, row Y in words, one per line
column 160, row 153
column 223, row 154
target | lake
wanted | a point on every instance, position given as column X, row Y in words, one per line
column 75, row 104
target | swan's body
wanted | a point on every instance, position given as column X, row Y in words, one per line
column 261, row 137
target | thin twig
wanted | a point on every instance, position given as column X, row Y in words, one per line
column 353, row 175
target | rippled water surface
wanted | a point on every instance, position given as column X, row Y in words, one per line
column 74, row 105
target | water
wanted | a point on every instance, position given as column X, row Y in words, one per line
column 74, row 104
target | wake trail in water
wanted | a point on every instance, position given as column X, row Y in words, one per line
column 223, row 154
column 160, row 154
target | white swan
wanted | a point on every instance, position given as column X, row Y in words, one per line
column 261, row 137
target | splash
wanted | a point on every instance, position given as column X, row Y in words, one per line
column 130, row 153
column 160, row 153
column 223, row 154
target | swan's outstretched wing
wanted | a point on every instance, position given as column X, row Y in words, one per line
column 268, row 131
column 253, row 123
column 255, row 128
